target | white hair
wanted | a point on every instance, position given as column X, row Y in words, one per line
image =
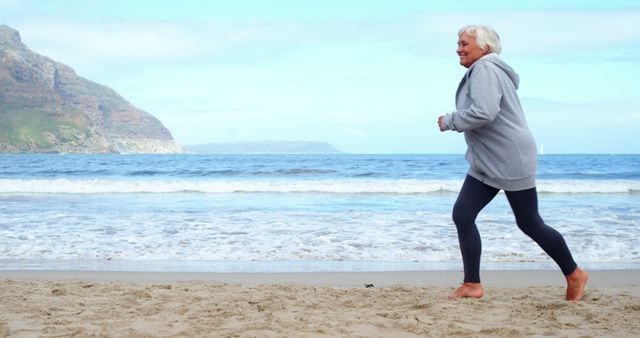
column 485, row 37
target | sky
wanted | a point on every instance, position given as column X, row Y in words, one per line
column 367, row 76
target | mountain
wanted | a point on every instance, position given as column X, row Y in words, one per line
column 264, row 147
column 46, row 107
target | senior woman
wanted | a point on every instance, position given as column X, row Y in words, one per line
column 501, row 153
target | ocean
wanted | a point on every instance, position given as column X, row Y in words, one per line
column 277, row 213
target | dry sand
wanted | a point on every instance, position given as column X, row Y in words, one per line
column 400, row 304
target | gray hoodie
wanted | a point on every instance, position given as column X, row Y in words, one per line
column 501, row 150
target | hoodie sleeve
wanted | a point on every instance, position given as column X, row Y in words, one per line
column 485, row 94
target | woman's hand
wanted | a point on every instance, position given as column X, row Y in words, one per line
column 440, row 118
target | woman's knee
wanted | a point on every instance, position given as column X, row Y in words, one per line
column 530, row 226
column 461, row 215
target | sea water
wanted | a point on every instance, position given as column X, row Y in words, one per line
column 260, row 213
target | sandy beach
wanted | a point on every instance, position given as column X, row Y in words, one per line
column 395, row 304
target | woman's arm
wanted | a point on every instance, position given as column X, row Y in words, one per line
column 485, row 95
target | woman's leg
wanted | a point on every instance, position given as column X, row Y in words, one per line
column 473, row 197
column 525, row 208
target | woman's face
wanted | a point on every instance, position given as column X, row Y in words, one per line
column 468, row 50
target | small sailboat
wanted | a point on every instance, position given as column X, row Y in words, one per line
column 541, row 149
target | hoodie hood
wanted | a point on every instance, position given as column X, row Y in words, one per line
column 495, row 59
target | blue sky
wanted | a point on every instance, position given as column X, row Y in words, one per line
column 366, row 76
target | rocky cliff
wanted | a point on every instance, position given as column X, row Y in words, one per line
column 46, row 107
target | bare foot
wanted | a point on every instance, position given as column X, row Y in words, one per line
column 576, row 281
column 467, row 290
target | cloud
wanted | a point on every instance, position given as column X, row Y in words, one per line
column 525, row 33
column 573, row 32
column 116, row 41
column 354, row 132
column 532, row 33
column 544, row 114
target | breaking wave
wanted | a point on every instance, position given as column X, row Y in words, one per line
column 100, row 186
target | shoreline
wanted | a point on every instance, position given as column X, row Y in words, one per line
column 290, row 266
column 490, row 278
column 313, row 304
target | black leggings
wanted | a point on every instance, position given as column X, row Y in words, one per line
column 474, row 196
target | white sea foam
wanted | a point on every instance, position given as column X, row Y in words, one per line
column 66, row 186
column 97, row 186
column 599, row 228
column 588, row 186
column 280, row 235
